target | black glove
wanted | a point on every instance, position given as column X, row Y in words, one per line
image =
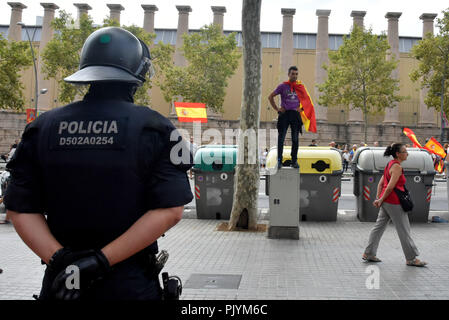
column 91, row 268
column 64, row 257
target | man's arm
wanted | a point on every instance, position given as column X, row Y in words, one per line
column 142, row 233
column 273, row 104
column 34, row 231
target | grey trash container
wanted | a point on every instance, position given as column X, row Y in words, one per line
column 368, row 165
column 214, row 181
column 321, row 171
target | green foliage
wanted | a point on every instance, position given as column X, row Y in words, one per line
column 62, row 54
column 433, row 55
column 212, row 59
column 14, row 57
column 359, row 75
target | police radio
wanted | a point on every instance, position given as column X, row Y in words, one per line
column 172, row 285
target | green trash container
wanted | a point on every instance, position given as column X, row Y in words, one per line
column 368, row 165
column 214, row 181
column 321, row 170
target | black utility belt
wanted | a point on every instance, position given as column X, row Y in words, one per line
column 279, row 112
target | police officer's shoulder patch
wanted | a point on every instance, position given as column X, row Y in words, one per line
column 100, row 132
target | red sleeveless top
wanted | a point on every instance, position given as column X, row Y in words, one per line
column 392, row 198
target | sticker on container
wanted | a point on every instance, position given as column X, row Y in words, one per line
column 323, row 178
column 224, row 176
column 371, row 179
column 197, row 192
column 200, row 178
column 366, row 193
column 417, row 179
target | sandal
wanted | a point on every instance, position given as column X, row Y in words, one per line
column 416, row 263
column 371, row 259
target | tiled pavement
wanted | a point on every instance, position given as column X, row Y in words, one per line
column 323, row 264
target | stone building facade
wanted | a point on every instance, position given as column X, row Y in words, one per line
column 308, row 51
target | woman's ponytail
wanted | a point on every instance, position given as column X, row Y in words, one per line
column 392, row 149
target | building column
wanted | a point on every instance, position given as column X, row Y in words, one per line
column 392, row 114
column 219, row 15
column 114, row 11
column 148, row 19
column 83, row 8
column 45, row 100
column 286, row 42
column 183, row 27
column 322, row 57
column 15, row 31
column 356, row 115
column 426, row 115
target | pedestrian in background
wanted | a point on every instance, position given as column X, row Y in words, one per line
column 288, row 115
column 391, row 209
column 446, row 145
column 263, row 158
column 352, row 152
column 346, row 160
column 193, row 148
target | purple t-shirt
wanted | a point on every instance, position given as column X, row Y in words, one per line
column 289, row 99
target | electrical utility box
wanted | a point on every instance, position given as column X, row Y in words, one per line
column 284, row 204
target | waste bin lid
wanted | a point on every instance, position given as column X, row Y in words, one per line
column 312, row 160
column 213, row 158
column 371, row 159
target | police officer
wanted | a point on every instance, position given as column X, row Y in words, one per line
column 100, row 171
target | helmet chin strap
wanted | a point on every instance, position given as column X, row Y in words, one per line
column 145, row 64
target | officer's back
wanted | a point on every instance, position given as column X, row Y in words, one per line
column 96, row 168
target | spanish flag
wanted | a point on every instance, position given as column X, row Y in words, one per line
column 435, row 147
column 411, row 135
column 191, row 112
column 306, row 105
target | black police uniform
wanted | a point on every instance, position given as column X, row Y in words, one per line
column 94, row 167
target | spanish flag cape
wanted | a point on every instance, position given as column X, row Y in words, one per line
column 306, row 105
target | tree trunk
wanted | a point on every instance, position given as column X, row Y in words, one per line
column 246, row 182
column 366, row 120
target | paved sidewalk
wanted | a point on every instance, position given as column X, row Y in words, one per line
column 324, row 264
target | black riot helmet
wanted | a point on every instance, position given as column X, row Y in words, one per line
column 113, row 54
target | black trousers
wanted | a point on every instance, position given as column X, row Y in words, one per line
column 290, row 118
column 345, row 165
column 129, row 280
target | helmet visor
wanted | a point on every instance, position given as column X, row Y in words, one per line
column 101, row 74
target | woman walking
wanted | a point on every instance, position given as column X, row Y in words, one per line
column 390, row 208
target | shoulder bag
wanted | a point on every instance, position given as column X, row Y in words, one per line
column 404, row 199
